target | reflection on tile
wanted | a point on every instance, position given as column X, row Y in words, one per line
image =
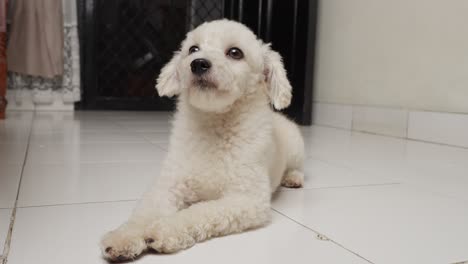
column 80, row 228
column 12, row 153
column 145, row 126
column 78, row 137
column 94, row 153
column 9, row 181
column 83, row 183
column 155, row 137
column 386, row 199
column 417, row 226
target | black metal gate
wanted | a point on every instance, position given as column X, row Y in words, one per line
column 125, row 43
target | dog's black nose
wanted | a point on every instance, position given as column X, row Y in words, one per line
column 200, row 66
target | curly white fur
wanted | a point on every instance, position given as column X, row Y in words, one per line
column 228, row 151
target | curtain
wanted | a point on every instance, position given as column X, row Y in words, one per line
column 46, row 80
column 3, row 66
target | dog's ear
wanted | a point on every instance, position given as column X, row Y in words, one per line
column 168, row 83
column 279, row 88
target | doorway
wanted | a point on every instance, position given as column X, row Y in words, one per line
column 124, row 45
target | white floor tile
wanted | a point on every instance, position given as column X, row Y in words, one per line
column 40, row 127
column 385, row 121
column 15, row 128
column 83, row 183
column 15, row 136
column 320, row 174
column 428, row 153
column 155, row 137
column 78, row 137
column 9, row 180
column 12, row 153
column 69, row 122
column 145, row 125
column 5, row 215
column 334, row 115
column 126, row 115
column 19, row 115
column 94, row 153
column 437, row 168
column 355, row 149
column 70, row 234
column 385, row 224
column 326, row 143
column 389, row 200
column 446, row 128
column 441, row 169
column 163, row 145
column 448, row 181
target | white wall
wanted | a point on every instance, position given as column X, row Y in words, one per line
column 399, row 53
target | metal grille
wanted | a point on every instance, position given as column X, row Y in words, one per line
column 205, row 10
column 136, row 38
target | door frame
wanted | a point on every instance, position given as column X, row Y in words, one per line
column 301, row 55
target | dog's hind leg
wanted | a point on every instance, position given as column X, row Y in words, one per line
column 293, row 144
column 293, row 179
column 294, row 175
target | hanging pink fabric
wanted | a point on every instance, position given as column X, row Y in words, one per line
column 36, row 38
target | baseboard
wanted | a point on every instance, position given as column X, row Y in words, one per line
column 26, row 103
column 437, row 127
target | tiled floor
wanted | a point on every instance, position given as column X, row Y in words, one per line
column 367, row 198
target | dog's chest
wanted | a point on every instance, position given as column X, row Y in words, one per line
column 212, row 161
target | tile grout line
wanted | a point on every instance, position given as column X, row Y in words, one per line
column 6, row 249
column 345, row 166
column 341, row 187
column 407, row 124
column 147, row 140
column 323, row 237
column 78, row 203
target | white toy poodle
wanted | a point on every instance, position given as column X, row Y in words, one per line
column 228, row 152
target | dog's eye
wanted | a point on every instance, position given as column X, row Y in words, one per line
column 193, row 49
column 235, row 53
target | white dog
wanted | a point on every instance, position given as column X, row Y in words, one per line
column 228, row 152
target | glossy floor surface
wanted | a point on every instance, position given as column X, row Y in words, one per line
column 66, row 178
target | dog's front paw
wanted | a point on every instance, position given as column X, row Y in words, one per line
column 122, row 244
column 168, row 237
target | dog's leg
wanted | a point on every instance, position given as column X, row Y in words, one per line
column 127, row 241
column 231, row 214
column 294, row 148
column 293, row 179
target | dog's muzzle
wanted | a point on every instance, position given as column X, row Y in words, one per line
column 200, row 66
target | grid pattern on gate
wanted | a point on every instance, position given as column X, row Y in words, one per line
column 205, row 10
column 136, row 38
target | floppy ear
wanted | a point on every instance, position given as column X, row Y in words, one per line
column 279, row 88
column 168, row 83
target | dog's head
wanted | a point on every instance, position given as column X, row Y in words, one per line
column 220, row 62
